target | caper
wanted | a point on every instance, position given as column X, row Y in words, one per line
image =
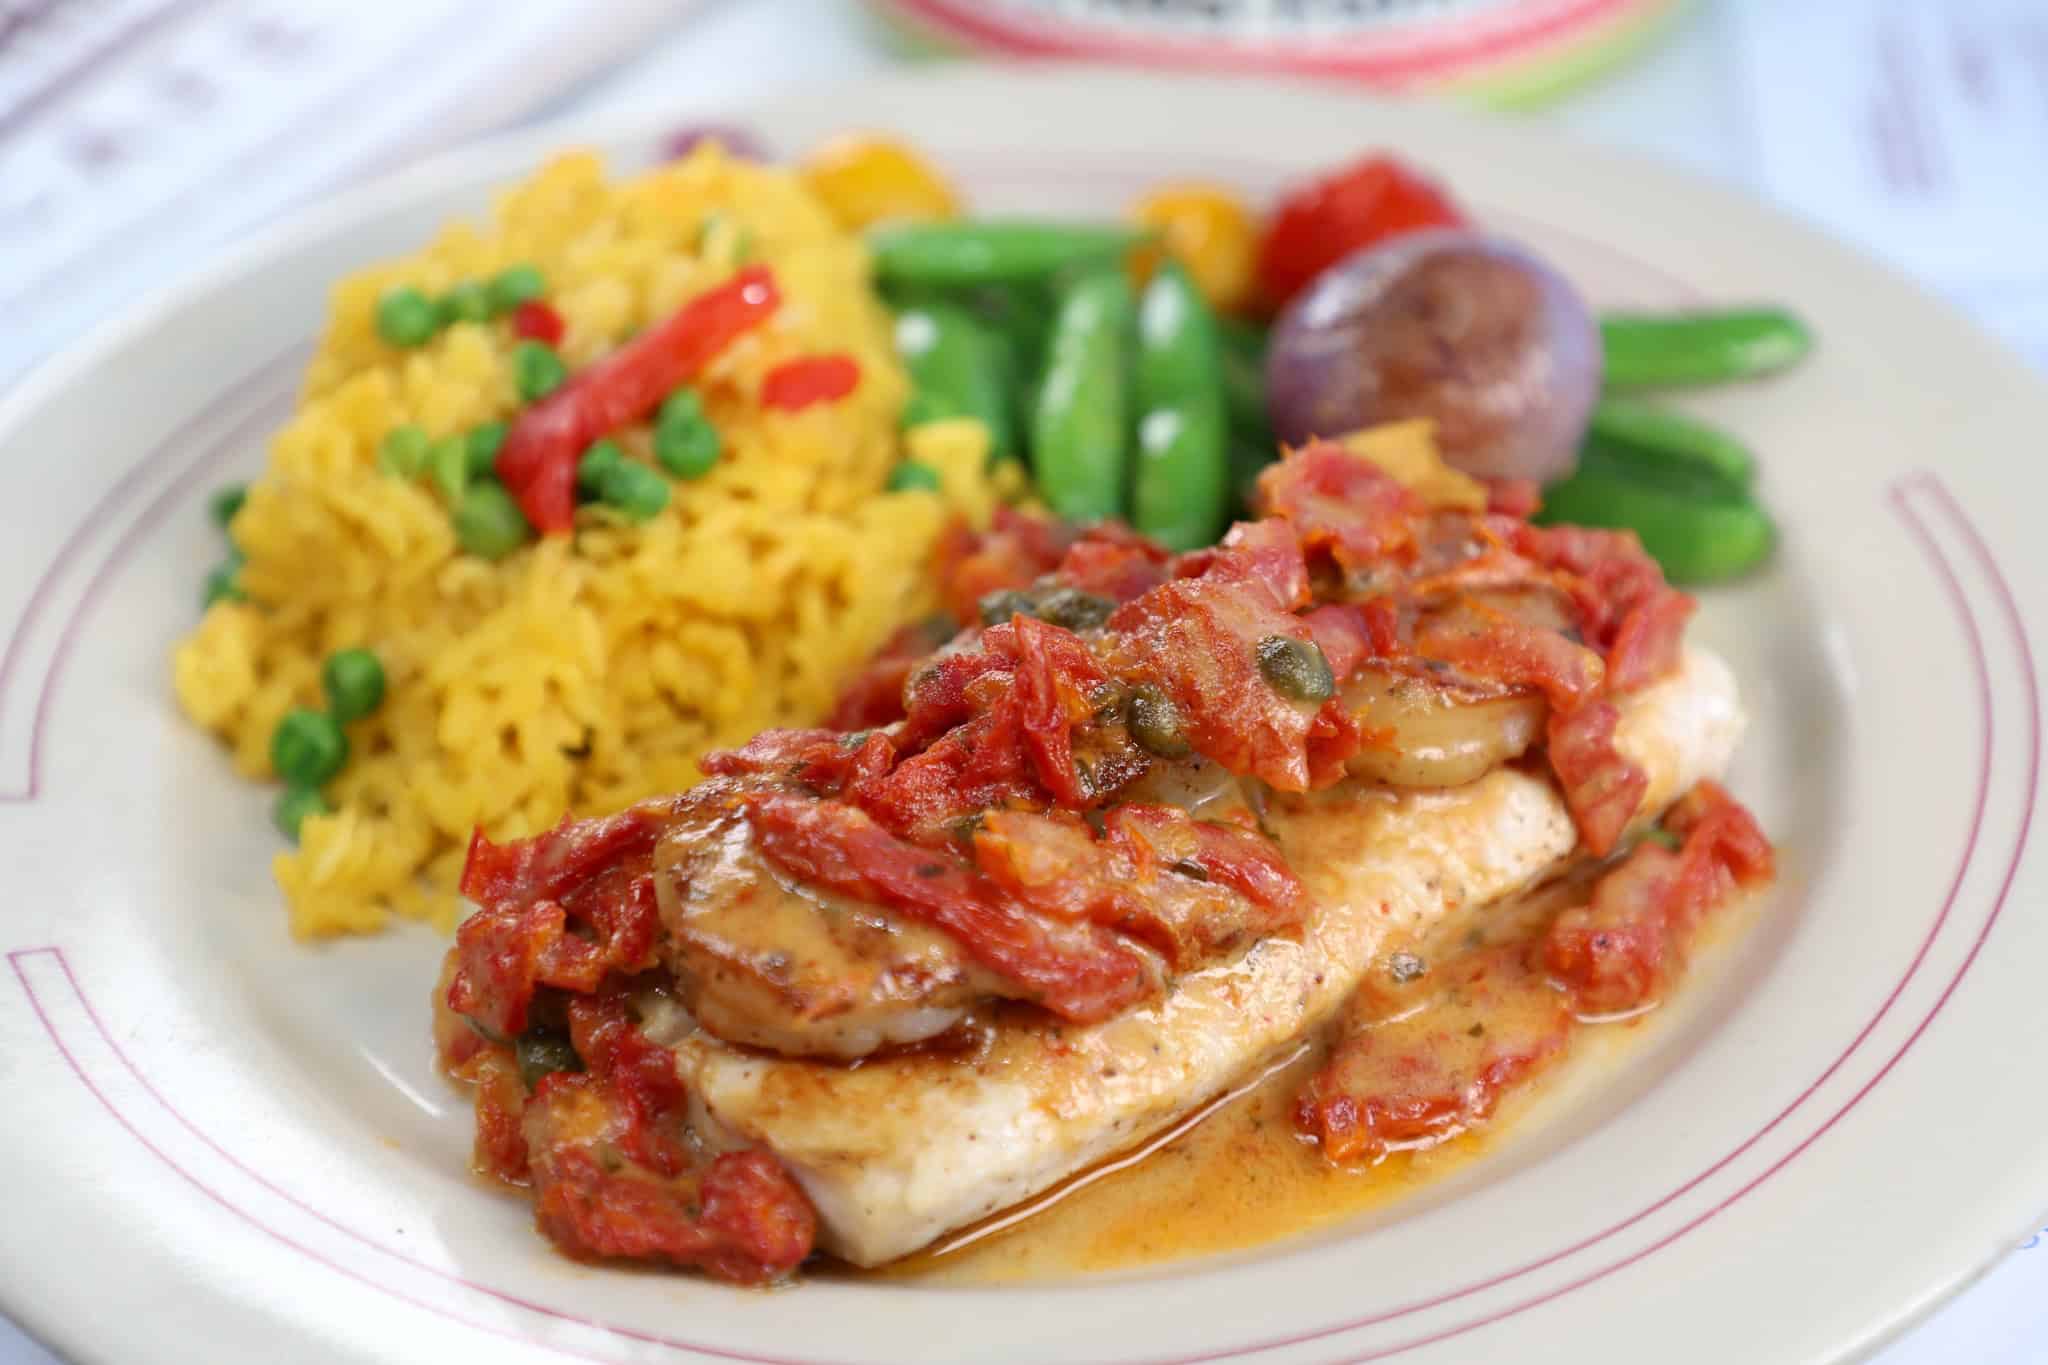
column 1074, row 609
column 1156, row 723
column 543, row 1054
column 1296, row 668
column 998, row 607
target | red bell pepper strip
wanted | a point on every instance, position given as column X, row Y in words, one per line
column 538, row 463
column 796, row 384
column 536, row 321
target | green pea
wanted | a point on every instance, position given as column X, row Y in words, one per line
column 488, row 523
column 404, row 450
column 222, row 584
column 1156, row 723
column 294, row 804
column 354, row 683
column 514, row 285
column 484, row 443
column 1296, row 668
column 596, row 463
column 687, row 447
column 543, row 1054
column 447, row 464
column 635, row 490
column 912, row 474
column 225, row 502
column 537, row 371
column 684, row 405
column 407, row 317
column 308, row 747
column 466, row 302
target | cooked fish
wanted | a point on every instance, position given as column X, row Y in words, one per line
column 900, row 1149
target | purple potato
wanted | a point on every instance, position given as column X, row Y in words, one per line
column 1471, row 331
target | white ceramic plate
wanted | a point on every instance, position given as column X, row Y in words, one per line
column 224, row 1147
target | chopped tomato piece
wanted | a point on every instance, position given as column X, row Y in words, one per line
column 1418, row 1064
column 1197, row 640
column 1649, row 639
column 875, row 695
column 1079, row 971
column 538, row 461
column 739, row 1217
column 1320, row 224
column 1342, row 508
column 796, row 384
column 1602, row 787
column 1489, row 643
column 1620, row 951
column 1189, row 888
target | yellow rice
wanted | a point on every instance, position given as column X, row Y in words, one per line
column 582, row 672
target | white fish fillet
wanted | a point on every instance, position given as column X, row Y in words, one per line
column 898, row 1151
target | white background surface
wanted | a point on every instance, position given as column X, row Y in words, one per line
column 1919, row 131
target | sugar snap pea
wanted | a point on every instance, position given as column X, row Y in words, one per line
column 1647, row 431
column 991, row 251
column 1081, row 417
column 960, row 368
column 1655, row 351
column 1244, row 378
column 1696, row 524
column 1180, row 486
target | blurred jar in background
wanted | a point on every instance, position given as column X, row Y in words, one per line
column 1501, row 52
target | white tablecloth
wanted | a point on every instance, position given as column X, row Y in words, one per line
column 1918, row 131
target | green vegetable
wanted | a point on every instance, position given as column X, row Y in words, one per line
column 633, row 489
column 294, row 804
column 685, row 442
column 1698, row 525
column 354, row 683
column 404, row 451
column 543, row 1054
column 466, row 302
column 1647, row 432
column 221, row 581
column 407, row 317
column 1002, row 604
column 225, row 502
column 536, row 370
column 911, row 474
column 1156, row 723
column 1248, row 459
column 1073, row 609
column 962, row 367
column 484, row 442
column 447, row 464
column 1244, row 380
column 514, row 285
column 1650, row 351
column 1296, row 668
column 1080, row 422
column 1180, row 487
column 596, row 462
column 921, row 408
column 488, row 523
column 991, row 251
column 308, row 747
